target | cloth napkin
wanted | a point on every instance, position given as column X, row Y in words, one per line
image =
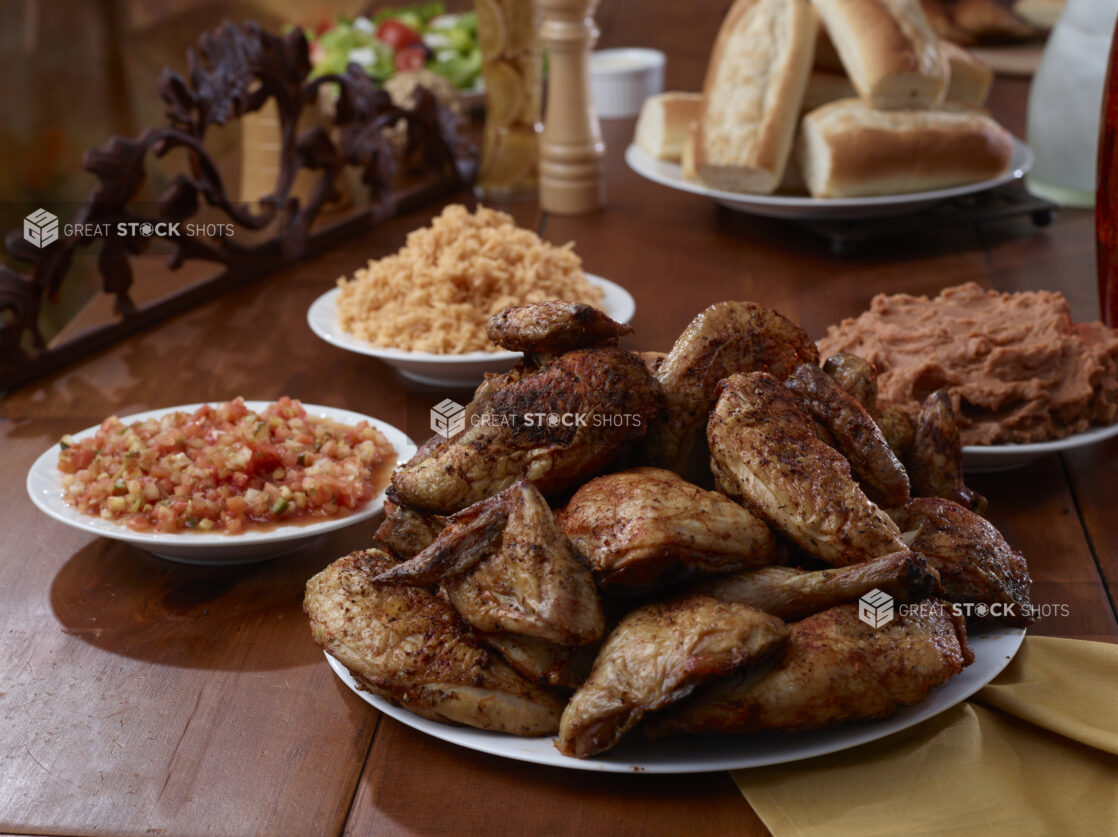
column 1033, row 753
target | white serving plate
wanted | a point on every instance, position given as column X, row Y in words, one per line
column 985, row 459
column 44, row 485
column 992, row 653
column 459, row 371
column 807, row 208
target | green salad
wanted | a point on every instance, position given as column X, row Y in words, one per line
column 395, row 40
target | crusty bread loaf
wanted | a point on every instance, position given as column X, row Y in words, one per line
column 969, row 79
column 751, row 97
column 662, row 125
column 888, row 49
column 847, row 149
column 824, row 87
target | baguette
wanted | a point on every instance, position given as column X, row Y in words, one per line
column 889, row 51
column 846, row 149
column 969, row 79
column 751, row 97
column 687, row 158
column 663, row 122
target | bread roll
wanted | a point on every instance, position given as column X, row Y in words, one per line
column 751, row 97
column 888, row 49
column 969, row 79
column 847, row 149
column 662, row 125
column 824, row 87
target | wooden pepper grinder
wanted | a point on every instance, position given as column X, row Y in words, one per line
column 571, row 147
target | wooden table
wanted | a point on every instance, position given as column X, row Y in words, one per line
column 140, row 697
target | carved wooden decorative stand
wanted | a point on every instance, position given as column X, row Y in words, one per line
column 234, row 71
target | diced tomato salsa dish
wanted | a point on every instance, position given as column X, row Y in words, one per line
column 224, row 468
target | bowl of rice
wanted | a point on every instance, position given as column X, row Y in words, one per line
column 423, row 309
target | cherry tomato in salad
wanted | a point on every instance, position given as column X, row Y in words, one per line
column 411, row 58
column 397, row 35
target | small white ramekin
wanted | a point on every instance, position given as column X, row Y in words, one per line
column 621, row 79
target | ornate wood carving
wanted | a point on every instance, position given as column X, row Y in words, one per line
column 233, row 71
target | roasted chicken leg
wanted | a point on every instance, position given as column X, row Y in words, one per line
column 409, row 647
column 835, row 668
column 936, row 462
column 763, row 453
column 645, row 528
column 656, row 656
column 974, row 562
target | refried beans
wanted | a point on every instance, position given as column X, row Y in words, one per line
column 1018, row 368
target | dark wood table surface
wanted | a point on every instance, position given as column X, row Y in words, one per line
column 139, row 696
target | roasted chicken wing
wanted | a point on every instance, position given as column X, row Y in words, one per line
column 835, row 668
column 407, row 532
column 727, row 337
column 974, row 562
column 553, row 327
column 554, row 428
column 855, row 433
column 936, row 462
column 656, row 656
column 765, row 455
column 856, row 376
column 505, row 566
column 792, row 593
column 409, row 647
column 645, row 528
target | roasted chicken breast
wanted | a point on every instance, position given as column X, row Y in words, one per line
column 764, row 454
column 554, row 427
column 645, row 528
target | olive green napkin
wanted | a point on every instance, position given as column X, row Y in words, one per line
column 1033, row 753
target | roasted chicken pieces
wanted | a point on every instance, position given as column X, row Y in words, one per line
column 496, row 610
column 408, row 646
column 645, row 528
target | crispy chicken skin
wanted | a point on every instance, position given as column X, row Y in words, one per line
column 855, row 433
column 645, row 528
column 505, row 566
column 406, row 532
column 856, row 376
column 936, row 462
column 553, row 327
column 765, row 455
column 835, row 668
column 974, row 562
column 656, row 656
column 410, row 648
column 601, row 399
column 727, row 337
column 542, row 662
column 792, row 593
